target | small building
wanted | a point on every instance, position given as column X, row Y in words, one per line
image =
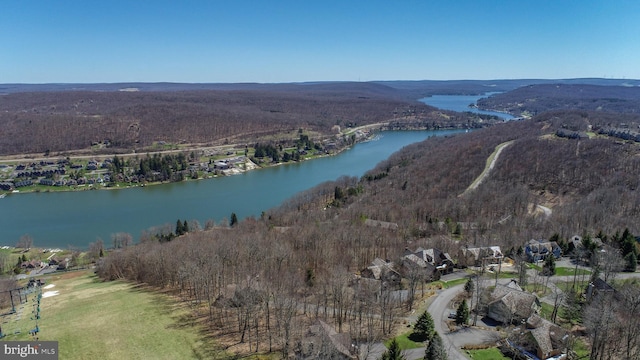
column 538, row 250
column 221, row 165
column 47, row 182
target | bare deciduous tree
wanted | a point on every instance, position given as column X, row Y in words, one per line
column 25, row 242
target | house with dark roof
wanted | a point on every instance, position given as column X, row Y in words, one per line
column 598, row 287
column 432, row 260
column 538, row 250
column 511, row 305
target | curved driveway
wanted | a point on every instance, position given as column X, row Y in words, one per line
column 439, row 310
column 454, row 341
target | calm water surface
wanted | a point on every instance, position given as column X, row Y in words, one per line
column 461, row 103
column 78, row 218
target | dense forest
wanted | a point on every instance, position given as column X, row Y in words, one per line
column 264, row 281
column 535, row 99
column 260, row 285
column 58, row 118
column 124, row 121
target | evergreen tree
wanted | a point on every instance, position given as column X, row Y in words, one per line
column 462, row 314
column 549, row 267
column 458, row 230
column 628, row 244
column 435, row 350
column 185, row 227
column 424, row 328
column 179, row 228
column 394, row 352
column 631, row 262
column 234, row 219
column 468, row 287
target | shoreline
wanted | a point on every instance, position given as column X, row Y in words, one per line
column 368, row 132
column 248, row 165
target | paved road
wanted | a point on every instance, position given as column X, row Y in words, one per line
column 439, row 310
column 454, row 341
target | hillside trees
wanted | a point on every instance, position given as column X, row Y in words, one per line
column 251, row 279
column 299, row 261
column 613, row 325
column 629, row 248
column 68, row 120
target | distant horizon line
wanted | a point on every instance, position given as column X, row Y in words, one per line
column 312, row 81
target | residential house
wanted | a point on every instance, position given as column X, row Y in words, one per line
column 47, row 182
column 321, row 341
column 479, row 256
column 92, row 165
column 383, row 271
column 431, row 260
column 576, row 245
column 540, row 338
column 510, row 304
column 538, row 250
column 221, row 165
column 598, row 287
column 413, row 264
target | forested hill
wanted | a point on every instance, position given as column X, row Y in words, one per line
column 589, row 182
column 253, row 277
column 535, row 99
column 58, row 121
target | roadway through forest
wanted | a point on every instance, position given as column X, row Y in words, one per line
column 491, row 162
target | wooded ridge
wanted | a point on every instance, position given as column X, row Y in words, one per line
column 55, row 122
column 260, row 276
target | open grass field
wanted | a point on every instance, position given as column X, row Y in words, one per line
column 92, row 319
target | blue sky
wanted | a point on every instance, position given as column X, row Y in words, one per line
column 90, row 41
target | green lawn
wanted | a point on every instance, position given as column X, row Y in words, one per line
column 91, row 319
column 534, row 266
column 404, row 342
column 581, row 349
column 564, row 271
column 486, row 354
column 546, row 310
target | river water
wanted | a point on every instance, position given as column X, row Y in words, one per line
column 461, row 103
column 63, row 219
